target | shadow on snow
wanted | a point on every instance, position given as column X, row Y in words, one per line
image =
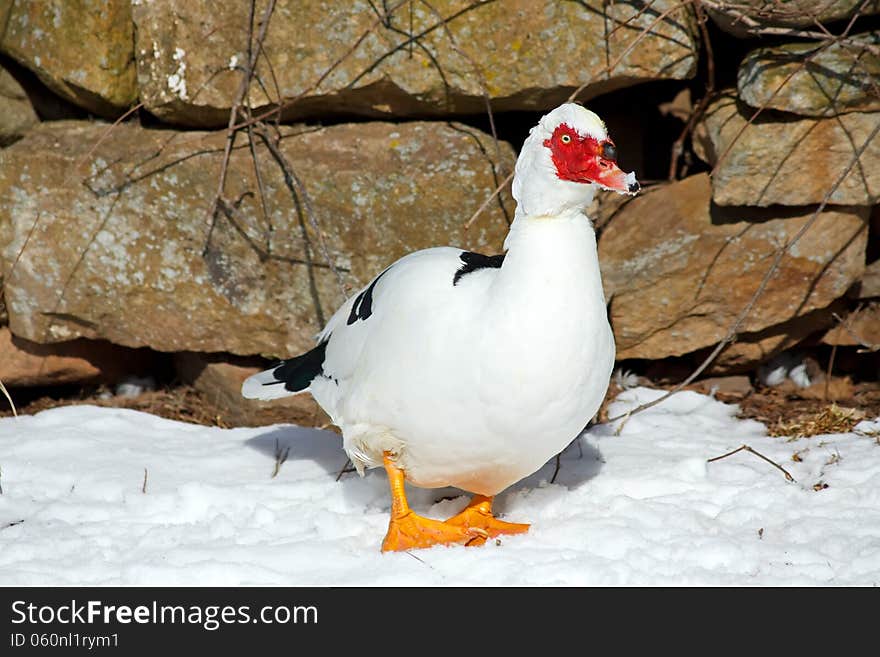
column 579, row 462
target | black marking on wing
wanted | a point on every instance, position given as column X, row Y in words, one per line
column 363, row 304
column 474, row 261
column 297, row 373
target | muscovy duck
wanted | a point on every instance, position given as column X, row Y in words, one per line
column 453, row 368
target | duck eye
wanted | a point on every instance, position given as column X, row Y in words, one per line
column 565, row 139
column 609, row 152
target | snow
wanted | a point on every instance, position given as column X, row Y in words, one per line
column 639, row 508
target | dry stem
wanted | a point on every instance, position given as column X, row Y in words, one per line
column 280, row 457
column 746, row 448
column 348, row 467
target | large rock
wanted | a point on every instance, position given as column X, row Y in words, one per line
column 678, row 271
column 81, row 49
column 117, row 247
column 788, row 161
column 25, row 363
column 359, row 57
column 787, row 13
column 840, row 78
column 17, row 114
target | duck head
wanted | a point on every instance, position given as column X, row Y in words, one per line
column 564, row 160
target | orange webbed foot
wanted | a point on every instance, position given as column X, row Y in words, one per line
column 412, row 531
column 478, row 515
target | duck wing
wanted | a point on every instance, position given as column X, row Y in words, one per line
column 400, row 288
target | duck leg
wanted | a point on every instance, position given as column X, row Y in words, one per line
column 407, row 530
column 478, row 515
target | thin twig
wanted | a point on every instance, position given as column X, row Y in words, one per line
column 868, row 347
column 348, row 467
column 144, row 485
column 644, row 33
column 280, row 457
column 275, row 111
column 580, row 447
column 260, row 186
column 556, row 469
column 71, row 172
column 831, row 358
column 295, row 184
column 486, row 203
column 420, row 560
column 104, row 136
column 746, row 448
column 828, row 373
column 621, row 24
column 253, row 146
column 708, row 96
column 479, row 74
column 243, row 88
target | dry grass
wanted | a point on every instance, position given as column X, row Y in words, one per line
column 830, row 419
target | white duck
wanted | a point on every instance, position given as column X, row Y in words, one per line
column 453, row 368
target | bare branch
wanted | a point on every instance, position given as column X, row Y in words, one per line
column 486, row 203
column 697, row 113
column 644, row 33
column 348, row 467
column 275, row 111
column 556, row 469
column 281, row 454
column 746, row 448
column 243, row 88
column 828, row 373
column 295, row 184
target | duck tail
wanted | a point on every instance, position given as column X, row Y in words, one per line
column 287, row 377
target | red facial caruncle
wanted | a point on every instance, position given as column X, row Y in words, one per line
column 584, row 159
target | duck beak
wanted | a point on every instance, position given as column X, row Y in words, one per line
column 613, row 178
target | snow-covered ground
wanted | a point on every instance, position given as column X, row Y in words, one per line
column 642, row 507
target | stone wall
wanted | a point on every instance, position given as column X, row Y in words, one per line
column 112, row 234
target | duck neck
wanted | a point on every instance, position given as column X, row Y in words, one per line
column 552, row 263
